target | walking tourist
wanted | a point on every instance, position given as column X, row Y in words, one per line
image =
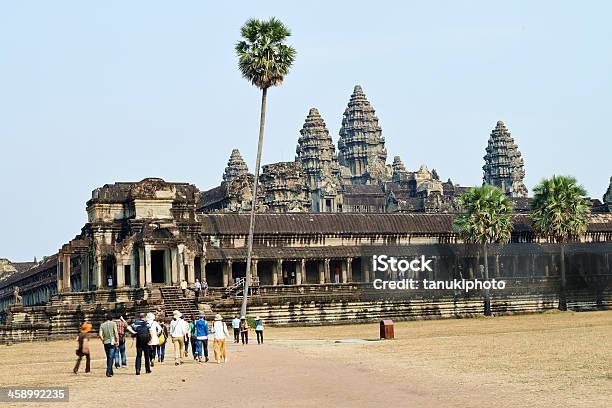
column 187, row 330
column 236, row 327
column 192, row 337
column 337, row 275
column 259, row 329
column 83, row 348
column 120, row 348
column 110, row 337
column 140, row 329
column 205, row 287
column 244, row 330
column 161, row 345
column 155, row 331
column 201, row 336
column 220, row 331
column 177, row 332
column 197, row 288
column 184, row 287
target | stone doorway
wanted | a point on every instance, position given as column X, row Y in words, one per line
column 238, row 271
column 356, row 273
column 265, row 269
column 335, row 271
column 214, row 274
column 109, row 272
column 312, row 272
column 158, row 273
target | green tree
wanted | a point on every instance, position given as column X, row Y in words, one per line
column 264, row 60
column 488, row 220
column 560, row 214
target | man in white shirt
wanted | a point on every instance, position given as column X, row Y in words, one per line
column 220, row 331
column 184, row 287
column 236, row 327
column 177, row 332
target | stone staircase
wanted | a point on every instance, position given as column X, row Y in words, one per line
column 173, row 300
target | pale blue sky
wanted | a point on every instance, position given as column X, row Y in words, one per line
column 93, row 93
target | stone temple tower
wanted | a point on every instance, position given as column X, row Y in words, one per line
column 361, row 147
column 503, row 163
column 317, row 155
column 236, row 167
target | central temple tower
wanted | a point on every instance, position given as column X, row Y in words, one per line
column 361, row 146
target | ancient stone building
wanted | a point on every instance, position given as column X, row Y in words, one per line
column 283, row 187
column 317, row 155
column 503, row 163
column 236, row 190
column 362, row 153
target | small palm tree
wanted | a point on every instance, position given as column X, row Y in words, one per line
column 264, row 60
column 488, row 219
column 561, row 215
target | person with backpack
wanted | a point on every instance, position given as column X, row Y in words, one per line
column 236, row 327
column 220, row 331
column 120, row 356
column 155, row 331
column 244, row 330
column 140, row 330
column 201, row 336
column 110, row 337
column 259, row 329
column 177, row 332
column 161, row 345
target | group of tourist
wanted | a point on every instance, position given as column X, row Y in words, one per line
column 150, row 338
column 199, row 288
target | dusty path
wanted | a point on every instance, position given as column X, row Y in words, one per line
column 529, row 361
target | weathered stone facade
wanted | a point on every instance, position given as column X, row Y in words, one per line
column 607, row 197
column 503, row 163
column 284, row 188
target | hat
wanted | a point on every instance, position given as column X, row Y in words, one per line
column 150, row 317
column 257, row 318
column 176, row 314
column 202, row 315
column 86, row 327
column 242, row 318
column 218, row 317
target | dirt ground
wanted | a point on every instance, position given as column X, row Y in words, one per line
column 556, row 359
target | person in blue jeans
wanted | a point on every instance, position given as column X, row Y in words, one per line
column 120, row 350
column 161, row 348
column 110, row 337
column 201, row 338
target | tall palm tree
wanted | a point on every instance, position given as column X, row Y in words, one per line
column 264, row 60
column 488, row 220
column 560, row 214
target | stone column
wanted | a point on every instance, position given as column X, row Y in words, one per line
column 174, row 273
column 66, row 273
column 60, row 274
column 514, row 265
column 203, row 269
column 349, row 269
column 277, row 273
column 181, row 263
column 85, row 272
column 302, row 280
column 227, row 273
column 497, row 266
column 148, row 276
column 141, row 267
column 321, row 266
column 120, row 267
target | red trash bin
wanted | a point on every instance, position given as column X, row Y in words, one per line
column 386, row 329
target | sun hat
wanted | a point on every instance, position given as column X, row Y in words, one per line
column 202, row 315
column 86, row 327
column 218, row 317
column 257, row 318
column 150, row 317
column 242, row 318
column 176, row 314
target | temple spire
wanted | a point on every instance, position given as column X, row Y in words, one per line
column 236, row 167
column 503, row 163
column 607, row 197
column 361, row 146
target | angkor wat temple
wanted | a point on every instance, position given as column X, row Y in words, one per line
column 318, row 216
column 357, row 177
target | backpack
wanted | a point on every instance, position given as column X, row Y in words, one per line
column 142, row 335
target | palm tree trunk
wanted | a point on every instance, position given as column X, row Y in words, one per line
column 262, row 120
column 487, row 300
column 562, row 295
